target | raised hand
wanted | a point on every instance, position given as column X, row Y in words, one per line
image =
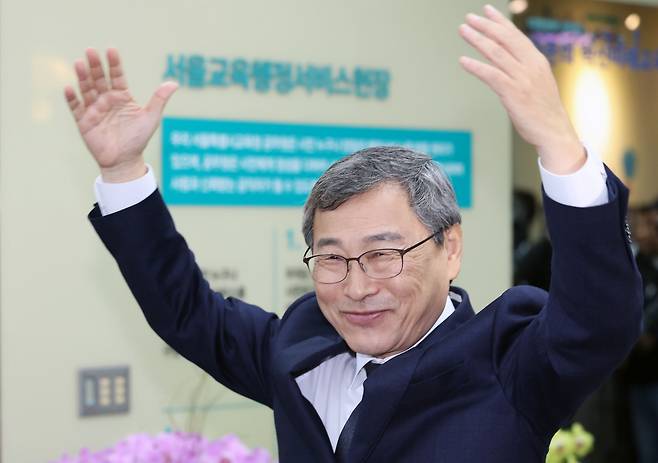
column 521, row 76
column 113, row 126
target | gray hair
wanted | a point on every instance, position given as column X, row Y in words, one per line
column 431, row 195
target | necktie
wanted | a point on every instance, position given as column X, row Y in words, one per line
column 346, row 435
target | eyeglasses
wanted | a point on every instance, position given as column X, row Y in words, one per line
column 377, row 263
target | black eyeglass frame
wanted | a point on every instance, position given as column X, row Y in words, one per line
column 306, row 259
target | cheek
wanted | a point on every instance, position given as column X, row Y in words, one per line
column 416, row 275
column 422, row 282
column 327, row 298
column 408, row 288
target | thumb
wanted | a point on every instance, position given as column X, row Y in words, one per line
column 161, row 96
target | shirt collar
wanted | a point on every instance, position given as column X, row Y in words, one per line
column 362, row 359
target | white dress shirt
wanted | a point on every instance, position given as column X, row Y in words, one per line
column 335, row 387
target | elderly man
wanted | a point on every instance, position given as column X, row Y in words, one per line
column 385, row 361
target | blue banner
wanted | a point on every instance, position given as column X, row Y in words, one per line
column 235, row 163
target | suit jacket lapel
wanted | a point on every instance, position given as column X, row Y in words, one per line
column 382, row 392
column 294, row 361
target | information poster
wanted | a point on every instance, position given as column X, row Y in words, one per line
column 233, row 163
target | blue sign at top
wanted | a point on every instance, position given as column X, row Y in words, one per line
column 234, row 163
column 199, row 71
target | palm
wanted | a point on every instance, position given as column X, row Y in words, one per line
column 113, row 126
column 117, row 129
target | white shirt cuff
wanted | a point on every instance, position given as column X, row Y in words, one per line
column 114, row 197
column 584, row 188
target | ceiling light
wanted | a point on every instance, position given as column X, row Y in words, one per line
column 517, row 6
column 632, row 21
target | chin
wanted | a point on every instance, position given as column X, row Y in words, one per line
column 363, row 346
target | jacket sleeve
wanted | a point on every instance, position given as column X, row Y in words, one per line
column 228, row 338
column 549, row 360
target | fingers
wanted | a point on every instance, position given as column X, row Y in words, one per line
column 502, row 30
column 514, row 35
column 117, row 79
column 96, row 71
column 508, row 49
column 161, row 96
column 488, row 47
column 87, row 90
column 497, row 80
column 77, row 108
column 85, row 116
column 495, row 15
column 92, row 81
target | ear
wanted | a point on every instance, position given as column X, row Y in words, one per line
column 452, row 243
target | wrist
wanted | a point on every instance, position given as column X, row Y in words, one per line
column 563, row 158
column 124, row 172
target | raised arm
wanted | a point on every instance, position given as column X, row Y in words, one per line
column 113, row 126
column 521, row 76
column 550, row 353
column 228, row 338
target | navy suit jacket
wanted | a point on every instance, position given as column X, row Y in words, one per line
column 492, row 387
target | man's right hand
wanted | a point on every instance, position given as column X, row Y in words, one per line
column 113, row 126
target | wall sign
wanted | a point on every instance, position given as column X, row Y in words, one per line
column 233, row 163
column 558, row 40
column 263, row 76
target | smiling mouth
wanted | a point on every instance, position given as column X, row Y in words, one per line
column 363, row 318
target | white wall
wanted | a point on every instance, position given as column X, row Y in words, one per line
column 63, row 304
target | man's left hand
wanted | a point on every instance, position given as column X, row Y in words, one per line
column 521, row 76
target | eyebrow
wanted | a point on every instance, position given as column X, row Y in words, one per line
column 384, row 236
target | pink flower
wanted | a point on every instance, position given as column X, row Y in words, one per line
column 172, row 447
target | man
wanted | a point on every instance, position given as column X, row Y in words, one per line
column 386, row 361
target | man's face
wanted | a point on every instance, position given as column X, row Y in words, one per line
column 383, row 317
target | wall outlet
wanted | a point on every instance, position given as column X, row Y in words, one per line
column 104, row 390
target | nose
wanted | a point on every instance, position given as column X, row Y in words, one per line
column 358, row 285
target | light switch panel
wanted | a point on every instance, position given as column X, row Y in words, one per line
column 104, row 390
